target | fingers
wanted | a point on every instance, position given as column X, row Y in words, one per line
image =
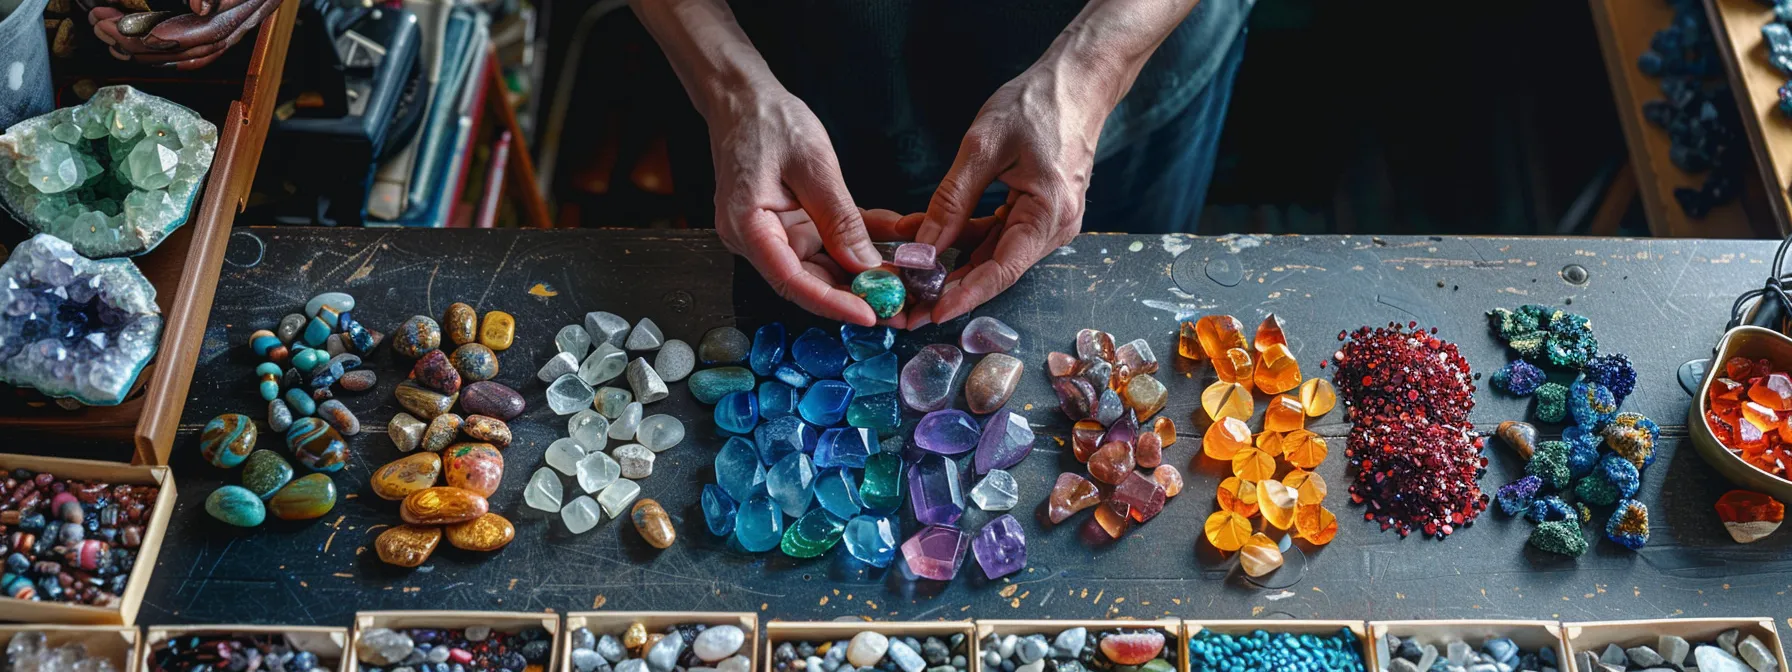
column 980, row 159
column 1032, row 230
column 762, row 241
column 816, row 181
column 887, row 225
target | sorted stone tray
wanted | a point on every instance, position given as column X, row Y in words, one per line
column 614, row 622
column 125, row 613
column 329, row 643
column 1528, row 635
column 1175, row 637
column 498, row 621
column 117, row 643
column 1595, row 635
column 777, row 632
column 1290, row 626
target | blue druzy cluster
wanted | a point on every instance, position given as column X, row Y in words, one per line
column 1696, row 107
column 1519, row 378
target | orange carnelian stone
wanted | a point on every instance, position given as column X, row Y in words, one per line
column 1726, row 389
column 1219, row 333
column 1760, row 416
column 1308, row 486
column 1270, row 443
column 1303, row 449
column 1235, row 366
column 1226, row 400
column 1250, row 464
column 1277, row 502
column 1085, row 438
column 1269, row 333
column 1225, row 438
column 1316, row 524
column 1188, row 342
column 1284, row 415
column 1112, row 521
column 1113, row 463
column 1165, row 429
column 1738, row 368
column 1318, row 396
column 1238, row 496
column 1277, row 371
column 1148, row 450
column 1227, row 530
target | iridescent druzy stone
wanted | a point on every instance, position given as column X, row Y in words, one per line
column 75, row 327
column 113, row 176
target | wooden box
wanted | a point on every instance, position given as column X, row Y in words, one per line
column 157, row 526
column 1756, row 85
column 1297, row 627
column 327, row 642
column 1529, row 635
column 501, row 621
column 815, row 631
column 614, row 622
column 1173, row 633
column 117, row 643
column 1595, row 635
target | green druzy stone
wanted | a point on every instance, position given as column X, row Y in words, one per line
column 236, row 505
column 813, row 534
column 881, row 489
column 710, row 385
column 882, row 289
column 265, row 472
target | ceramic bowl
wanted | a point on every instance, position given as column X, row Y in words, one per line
column 1754, row 343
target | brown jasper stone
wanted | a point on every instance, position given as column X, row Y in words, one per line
column 460, row 323
column 435, row 372
column 441, row 432
column 992, row 382
column 492, row 399
column 653, row 523
column 441, row 506
column 488, row 429
column 474, row 467
column 498, row 330
column 489, row 532
column 407, row 545
column 403, row 476
column 359, row 380
column 422, row 401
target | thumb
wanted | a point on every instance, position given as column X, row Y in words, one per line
column 976, row 165
column 819, row 187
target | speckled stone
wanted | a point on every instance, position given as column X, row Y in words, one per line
column 461, row 323
column 265, row 472
column 339, row 417
column 423, row 402
column 474, row 362
column 882, row 290
column 416, row 336
column 360, row 380
column 279, row 415
column 674, row 361
column 488, row 429
column 723, row 345
column 490, row 398
column 474, row 467
column 441, row 432
column 403, row 476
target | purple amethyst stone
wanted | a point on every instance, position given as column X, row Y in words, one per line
column 1001, row 547
column 933, row 490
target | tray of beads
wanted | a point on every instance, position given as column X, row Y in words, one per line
column 1344, row 646
column 1414, row 646
column 95, row 648
column 845, row 645
column 268, row 648
column 476, row 641
column 643, row 641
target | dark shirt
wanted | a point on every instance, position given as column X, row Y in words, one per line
column 897, row 82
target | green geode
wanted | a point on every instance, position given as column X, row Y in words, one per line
column 882, row 290
column 112, row 176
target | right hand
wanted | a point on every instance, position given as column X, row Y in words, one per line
column 185, row 42
column 782, row 203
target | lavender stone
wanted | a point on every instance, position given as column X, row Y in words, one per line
column 987, row 334
column 915, row 255
column 1001, row 547
column 947, row 432
column 926, row 382
column 933, row 490
column 74, row 327
column 1007, row 439
column 936, row 552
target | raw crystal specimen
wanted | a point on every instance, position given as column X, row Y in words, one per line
column 1143, row 496
column 863, row 343
column 1276, row 370
column 1515, row 498
column 992, row 382
column 723, row 345
column 768, row 349
column 1227, row 530
column 1559, row 536
column 836, row 491
column 1225, row 438
column 1592, row 405
column 1260, row 556
column 559, row 365
column 882, row 290
column 873, row 375
column 1007, row 439
column 871, row 540
column 791, row 483
column 1615, row 372
column 645, row 336
column 1284, row 414
column 113, row 176
column 812, row 534
column 718, row 510
column 738, row 469
column 1217, row 334
column 947, row 432
column 1629, row 525
column 987, row 334
column 1112, row 463
column 1227, row 400
column 996, row 492
column 1546, row 336
column 926, row 380
column 933, row 490
column 880, row 487
column 936, row 552
column 819, row 354
column 1072, row 493
column 1552, row 402
column 737, row 413
column 844, row 447
column 758, row 524
column 825, row 402
column 1633, row 436
column 1749, row 516
column 75, row 327
column 776, row 400
column 568, row 394
column 1000, row 547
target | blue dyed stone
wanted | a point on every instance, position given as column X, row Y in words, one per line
column 876, row 375
column 718, row 510
column 783, row 436
column 269, row 373
column 300, row 403
column 359, row 338
column 792, row 375
column 820, row 354
column 825, row 402
column 863, row 343
column 758, row 523
column 791, row 483
column 316, row 332
column 308, row 359
column 881, row 413
column 844, row 447
column 871, row 539
column 838, row 492
column 1583, row 449
column 1281, row 651
column 776, row 400
column 710, row 385
column 738, row 470
column 768, row 348
column 738, row 413
column 1591, row 404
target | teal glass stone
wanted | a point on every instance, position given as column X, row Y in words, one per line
column 791, row 483
column 876, row 375
column 844, row 447
column 316, row 332
column 837, row 491
column 738, row 470
column 783, row 436
column 825, row 402
column 738, row 413
column 269, row 373
column 871, row 539
column 300, row 403
column 812, row 535
column 880, row 488
column 236, row 505
column 758, row 523
column 881, row 413
column 710, row 385
column 863, row 343
column 309, row 359
column 882, row 290
column 776, row 400
column 768, row 348
column 718, row 510
column 792, row 375
column 821, row 354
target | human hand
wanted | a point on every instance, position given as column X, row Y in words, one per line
column 185, row 42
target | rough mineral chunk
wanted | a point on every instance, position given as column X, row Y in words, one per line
column 74, row 327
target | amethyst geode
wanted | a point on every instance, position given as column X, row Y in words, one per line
column 73, row 326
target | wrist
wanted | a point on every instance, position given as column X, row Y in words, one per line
column 1094, row 70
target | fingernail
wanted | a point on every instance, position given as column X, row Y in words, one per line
column 868, row 255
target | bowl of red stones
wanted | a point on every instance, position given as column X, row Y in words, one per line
column 1742, row 421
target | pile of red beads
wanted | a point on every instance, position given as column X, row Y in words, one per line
column 1417, row 460
column 69, row 540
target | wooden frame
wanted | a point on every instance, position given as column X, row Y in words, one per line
column 154, row 529
column 1529, row 635
column 117, row 643
column 780, row 631
column 614, row 622
column 1594, row 635
column 1756, row 85
column 326, row 642
column 1296, row 626
column 1175, row 636
column 501, row 621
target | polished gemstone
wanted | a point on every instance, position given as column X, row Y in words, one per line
column 587, row 428
column 236, row 505
column 645, row 382
column 674, row 361
column 573, row 340
column 825, row 402
column 1060, row 364
column 606, row 328
column 1108, row 407
column 1076, row 397
column 1094, row 344
column 880, row 488
column 486, row 533
column 1284, row 414
column 1217, row 334
column 407, row 545
column 1318, row 396
column 361, row 381
column 1259, row 556
column 405, row 431
column 581, row 514
column 1168, row 478
column 1136, row 357
column 933, row 490
column 434, row 371
column 544, row 491
column 635, row 459
column 837, row 491
column 1145, row 396
column 645, row 336
column 947, row 432
column 423, row 402
column 1303, row 449
column 758, row 523
column 783, row 436
column 1142, row 495
column 791, row 374
column 659, row 432
column 618, row 496
column 416, row 336
column 874, row 375
column 1277, row 502
column 791, row 481
column 996, row 492
column 337, row 301
column 460, row 323
column 442, row 431
column 864, row 343
column 1100, row 374
column 305, row 498
column 403, row 476
column 936, row 552
column 926, row 379
column 881, row 413
column 881, row 290
column 626, row 424
column 497, row 330
column 474, row 362
column 723, row 345
column 300, row 403
column 1085, row 439
column 925, row 284
column 1315, row 523
column 767, row 351
column 992, row 382
column 441, row 506
column 564, row 455
column 651, row 521
column 819, row 354
column 1006, row 440
column 871, row 539
column 612, row 402
column 559, row 365
column 738, row 413
column 812, row 534
column 1000, row 547
column 1276, row 370
column 604, row 364
column 474, row 467
column 718, row 510
column 316, row 445
column 488, row 429
column 76, row 328
column 987, row 334
column 316, row 332
column 709, row 385
column 915, row 255
column 738, row 469
column 776, row 400
column 596, row 471
column 227, row 440
column 1112, row 463
column 1070, row 494
column 844, row 447
column 264, row 472
column 1148, row 450
column 1225, row 438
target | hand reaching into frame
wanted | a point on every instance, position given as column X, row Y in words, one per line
column 185, row 42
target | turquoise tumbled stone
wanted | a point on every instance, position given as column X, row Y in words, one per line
column 228, row 439
column 863, row 343
column 300, row 402
column 821, row 354
column 825, row 402
column 316, row 332
column 871, row 539
column 269, row 374
column 880, row 487
column 792, row 375
column 758, row 523
column 875, row 375
column 768, row 348
column 710, row 385
column 718, row 510
column 837, row 491
column 882, row 290
column 237, row 506
column 881, row 413
column 738, row 469
column 310, row 358
column 844, row 447
column 738, row 413
column 791, row 483
column 812, row 535
column 783, row 436
column 776, row 400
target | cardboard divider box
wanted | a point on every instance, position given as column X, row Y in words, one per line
column 154, row 528
column 602, row 623
column 1292, row 626
column 500, row 621
column 777, row 632
column 1173, row 632
column 1595, row 635
column 117, row 643
column 1528, row 635
column 329, row 643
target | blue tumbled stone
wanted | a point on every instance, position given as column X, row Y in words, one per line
column 838, row 492
column 791, row 483
column 844, row 447
column 881, row 413
column 820, row 354
column 876, row 375
column 863, row 343
column 768, row 348
column 825, row 402
column 783, row 436
column 718, row 510
column 758, row 523
column 738, row 469
column 871, row 539
column 776, row 400
column 792, row 375
column 301, row 403
column 269, row 373
column 316, row 332
column 737, row 413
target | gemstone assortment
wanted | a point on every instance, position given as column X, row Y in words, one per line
column 474, row 649
column 70, row 540
column 30, row 650
column 1210, row 651
column 1079, row 650
column 677, row 648
column 202, row 652
column 1696, row 109
column 1109, row 394
column 1749, row 411
column 1498, row 653
column 872, row 650
column 1730, row 651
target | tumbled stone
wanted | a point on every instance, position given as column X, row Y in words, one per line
column 568, row 394
column 936, row 552
column 947, row 432
column 573, row 340
column 645, row 382
column 339, row 417
column 416, row 336
column 718, row 510
column 791, row 374
column 654, row 525
column 844, row 447
column 645, row 336
column 441, row 432
column 1143, row 496
column 626, row 423
column 635, row 459
column 227, row 440
column 423, row 402
column 264, row 472
column 486, row 533
column 1000, row 547
column 874, row 375
column 564, row 455
column 1076, row 397
column 812, row 534
column 986, row 335
column 407, row 545
column 992, row 382
column 405, row 431
column 289, row 328
column 918, row 256
column 925, row 284
column 710, row 385
column 758, row 523
column 996, row 492
column 606, row 327
column 737, row 413
column 1071, row 493
column 612, row 402
column 76, row 328
column 491, row 398
column 825, row 402
column 487, row 429
column 460, row 323
column 723, row 345
column 881, row 413
column 442, row 506
column 544, row 491
column 659, row 432
column 838, row 492
column 589, row 429
column 881, row 290
column 782, row 436
column 880, row 486
column 767, row 351
column 790, row 481
column 497, row 330
column 618, row 496
column 560, row 364
column 738, row 469
column 1007, row 439
column 863, row 343
column 926, row 381
column 305, row 498
column 401, row 477
column 596, row 471
column 819, row 354
column 603, row 364
column 872, row 540
column 359, row 381
column 1112, row 463
column 236, row 505
column 674, row 361
column 1146, row 396
column 300, row 402
column 475, row 467
column 934, row 492
column 316, row 445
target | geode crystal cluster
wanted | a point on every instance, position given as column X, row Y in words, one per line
column 75, row 327
column 113, row 176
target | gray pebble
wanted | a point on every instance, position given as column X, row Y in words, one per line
column 1614, row 655
column 1402, row 665
column 674, row 361
column 279, row 415
column 1757, row 655
column 1673, row 649
column 902, row 651
column 664, row 654
column 586, row 660
column 1644, row 656
column 1727, row 640
column 1031, row 649
column 611, row 649
column 1070, row 642
column 289, row 328
column 632, row 665
column 583, row 639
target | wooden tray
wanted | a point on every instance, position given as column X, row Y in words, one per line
column 327, row 642
column 815, row 631
column 1297, row 627
column 1529, row 635
column 1756, row 84
column 184, row 270
column 117, row 643
column 614, row 622
column 501, row 621
column 109, row 472
column 1595, row 635
column 1172, row 628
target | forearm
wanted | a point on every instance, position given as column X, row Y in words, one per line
column 1110, row 40
column 713, row 57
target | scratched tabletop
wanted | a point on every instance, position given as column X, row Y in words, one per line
column 1661, row 302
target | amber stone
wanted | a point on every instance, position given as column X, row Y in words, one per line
column 1112, row 520
column 1277, row 371
column 1303, row 449
column 1238, row 496
column 1269, row 334
column 1188, row 342
column 1060, row 364
column 1318, row 396
column 1145, row 396
column 405, row 475
column 497, row 331
column 1270, row 443
column 1072, row 493
column 435, row 372
column 1148, row 450
column 441, row 506
column 421, row 401
column 1252, row 464
column 474, row 467
column 992, row 382
column 1226, row 400
column 1219, row 333
column 489, row 532
column 441, row 432
column 407, row 545
column 1112, row 463
column 653, row 523
column 1227, row 530
column 1093, row 344
column 488, row 429
column 1235, row 366
column 1309, row 487
column 1225, row 438
column 304, row 498
column 1284, row 414
column 1773, row 391
column 1277, row 503
column 460, row 323
column 1259, row 556
column 1168, row 477
column 1085, row 438
column 1316, row 524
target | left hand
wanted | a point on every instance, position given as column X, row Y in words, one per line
column 185, row 42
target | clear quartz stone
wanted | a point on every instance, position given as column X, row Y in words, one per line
column 573, row 340
column 603, row 364
column 557, row 366
column 597, row 471
column 625, row 425
column 543, row 492
column 645, row 336
column 612, row 402
column 568, row 394
column 996, row 492
column 564, row 455
column 617, row 498
column 606, row 328
column 588, row 428
column 581, row 514
column 659, row 432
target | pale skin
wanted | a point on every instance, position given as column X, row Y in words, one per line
column 781, row 201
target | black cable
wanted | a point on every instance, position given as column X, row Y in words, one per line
column 1775, row 287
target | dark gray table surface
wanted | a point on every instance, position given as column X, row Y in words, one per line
column 1661, row 302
